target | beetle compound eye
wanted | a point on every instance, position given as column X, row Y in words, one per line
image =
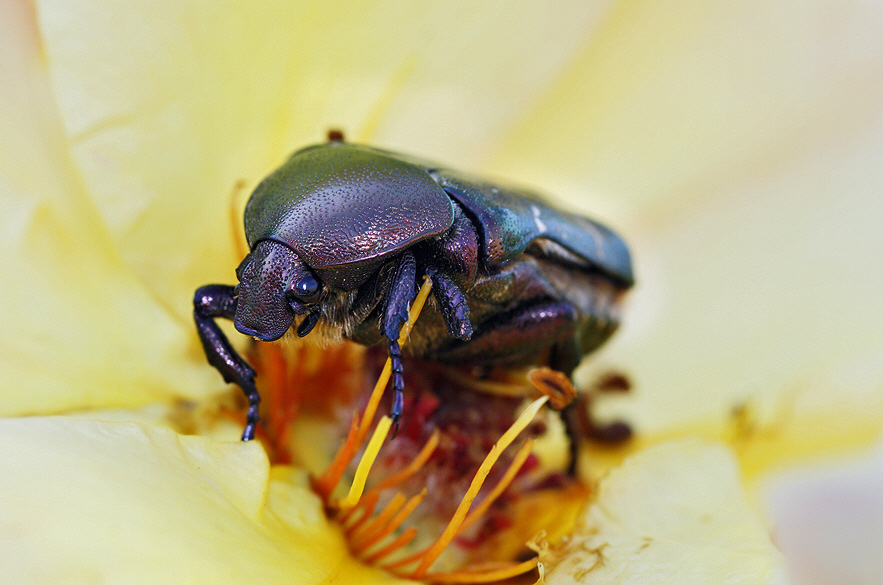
column 307, row 289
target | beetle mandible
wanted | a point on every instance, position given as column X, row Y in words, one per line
column 341, row 234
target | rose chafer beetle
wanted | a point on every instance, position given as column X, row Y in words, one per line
column 341, row 234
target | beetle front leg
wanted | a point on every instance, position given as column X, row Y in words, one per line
column 209, row 302
column 399, row 296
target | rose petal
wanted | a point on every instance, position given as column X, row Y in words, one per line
column 124, row 502
column 171, row 106
column 673, row 513
column 742, row 154
column 665, row 104
column 79, row 329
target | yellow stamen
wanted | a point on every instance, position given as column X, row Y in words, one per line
column 488, row 576
column 454, row 525
column 371, row 451
column 501, row 486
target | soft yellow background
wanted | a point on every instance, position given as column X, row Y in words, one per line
column 736, row 146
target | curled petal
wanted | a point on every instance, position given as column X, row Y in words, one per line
column 673, row 513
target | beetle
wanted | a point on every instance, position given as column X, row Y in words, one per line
column 341, row 233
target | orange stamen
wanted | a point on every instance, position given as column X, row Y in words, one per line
column 367, row 505
column 367, row 532
column 488, row 576
column 400, row 541
column 413, row 467
column 392, row 525
column 277, row 424
column 406, row 560
column 554, row 384
column 326, row 483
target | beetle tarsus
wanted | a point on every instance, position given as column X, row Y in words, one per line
column 210, row 302
column 398, row 385
column 252, row 417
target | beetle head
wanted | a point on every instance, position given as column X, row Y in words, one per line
column 275, row 286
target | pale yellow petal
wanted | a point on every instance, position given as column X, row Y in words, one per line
column 88, row 501
column 736, row 146
column 673, row 513
column 79, row 329
column 171, row 106
column 665, row 103
column 768, row 293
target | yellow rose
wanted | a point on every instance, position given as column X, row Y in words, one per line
column 736, row 145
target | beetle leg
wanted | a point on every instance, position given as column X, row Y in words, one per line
column 521, row 335
column 402, row 290
column 209, row 302
column 452, row 303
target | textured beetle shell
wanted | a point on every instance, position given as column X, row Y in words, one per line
column 510, row 220
column 344, row 204
column 340, row 206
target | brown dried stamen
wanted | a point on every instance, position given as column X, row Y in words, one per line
column 554, row 384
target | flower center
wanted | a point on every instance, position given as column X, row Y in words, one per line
column 445, row 443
